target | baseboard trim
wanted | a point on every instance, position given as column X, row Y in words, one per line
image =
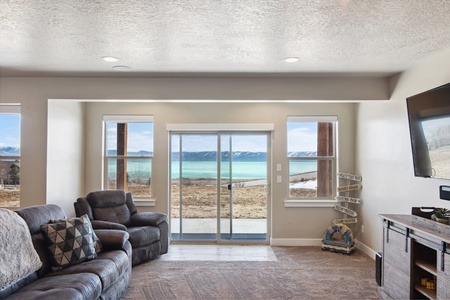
column 318, row 242
column 295, row 242
column 365, row 249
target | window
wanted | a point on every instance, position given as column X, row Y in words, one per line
column 9, row 155
column 312, row 157
column 128, row 154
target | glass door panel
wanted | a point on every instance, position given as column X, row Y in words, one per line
column 244, row 174
column 194, row 187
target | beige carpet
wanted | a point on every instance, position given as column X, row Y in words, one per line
column 299, row 273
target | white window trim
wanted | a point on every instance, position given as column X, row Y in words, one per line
column 309, row 203
column 221, row 127
column 331, row 119
column 127, row 118
column 12, row 108
column 320, row 202
column 139, row 201
column 142, row 202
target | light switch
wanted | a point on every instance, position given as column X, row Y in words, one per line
column 279, row 179
column 278, row 167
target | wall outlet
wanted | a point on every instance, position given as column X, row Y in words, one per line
column 279, row 179
column 278, row 167
column 362, row 228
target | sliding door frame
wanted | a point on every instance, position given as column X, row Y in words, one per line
column 258, row 129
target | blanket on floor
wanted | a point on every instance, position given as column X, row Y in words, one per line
column 18, row 258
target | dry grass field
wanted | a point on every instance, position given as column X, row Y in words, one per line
column 9, row 198
column 199, row 199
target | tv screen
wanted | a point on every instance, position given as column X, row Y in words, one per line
column 429, row 126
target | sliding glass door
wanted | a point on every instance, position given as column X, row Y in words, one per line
column 219, row 186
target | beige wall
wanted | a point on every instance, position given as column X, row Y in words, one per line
column 383, row 150
column 297, row 223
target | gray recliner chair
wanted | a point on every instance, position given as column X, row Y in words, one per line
column 115, row 209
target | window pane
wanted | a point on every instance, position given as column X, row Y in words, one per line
column 111, row 177
column 310, row 139
column 9, row 159
column 311, row 178
column 111, row 138
column 303, row 178
column 9, row 183
column 138, row 176
column 139, row 138
column 302, row 139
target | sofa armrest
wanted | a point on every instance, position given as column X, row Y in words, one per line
column 97, row 224
column 148, row 218
column 112, row 239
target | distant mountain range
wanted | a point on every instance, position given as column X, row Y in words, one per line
column 191, row 156
column 303, row 154
column 212, row 155
column 9, row 151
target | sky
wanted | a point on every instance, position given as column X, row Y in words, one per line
column 140, row 136
column 10, row 130
column 302, row 137
column 197, row 143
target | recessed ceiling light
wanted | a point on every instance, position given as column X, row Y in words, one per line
column 121, row 68
column 110, row 58
column 291, row 59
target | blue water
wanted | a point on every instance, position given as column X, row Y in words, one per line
column 208, row 169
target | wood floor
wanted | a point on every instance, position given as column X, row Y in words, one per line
column 218, row 253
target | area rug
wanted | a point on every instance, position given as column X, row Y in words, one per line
column 299, row 273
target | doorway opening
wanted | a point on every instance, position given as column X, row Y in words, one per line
column 220, row 186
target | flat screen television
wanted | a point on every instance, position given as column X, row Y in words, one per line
column 429, row 127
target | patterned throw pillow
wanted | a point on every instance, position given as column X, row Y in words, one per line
column 70, row 241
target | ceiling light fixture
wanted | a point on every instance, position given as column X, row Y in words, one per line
column 121, row 68
column 110, row 58
column 291, row 59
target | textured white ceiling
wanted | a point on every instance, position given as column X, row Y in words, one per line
column 235, row 37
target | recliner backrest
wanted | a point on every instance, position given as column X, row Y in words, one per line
column 110, row 205
column 35, row 216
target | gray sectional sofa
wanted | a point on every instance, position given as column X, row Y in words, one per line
column 104, row 277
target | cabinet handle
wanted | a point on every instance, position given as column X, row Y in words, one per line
column 443, row 250
column 406, row 239
column 386, row 225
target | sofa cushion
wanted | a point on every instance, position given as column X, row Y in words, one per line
column 110, row 206
column 69, row 241
column 143, row 235
column 72, row 286
column 108, row 266
column 37, row 215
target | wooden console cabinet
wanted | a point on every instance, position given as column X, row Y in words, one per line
column 415, row 249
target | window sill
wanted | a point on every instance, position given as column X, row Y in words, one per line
column 144, row 202
column 309, row 203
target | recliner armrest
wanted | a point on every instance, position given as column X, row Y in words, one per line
column 148, row 218
column 112, row 239
column 97, row 224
